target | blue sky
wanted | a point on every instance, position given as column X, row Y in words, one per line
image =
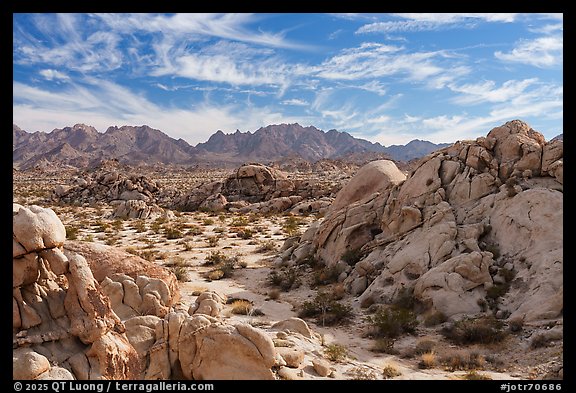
column 388, row 78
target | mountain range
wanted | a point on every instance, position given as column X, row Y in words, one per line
column 82, row 145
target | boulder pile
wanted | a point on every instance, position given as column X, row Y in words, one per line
column 477, row 224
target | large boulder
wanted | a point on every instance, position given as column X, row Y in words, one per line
column 59, row 310
column 257, row 183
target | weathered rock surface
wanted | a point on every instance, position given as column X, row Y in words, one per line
column 88, row 311
column 59, row 312
column 474, row 215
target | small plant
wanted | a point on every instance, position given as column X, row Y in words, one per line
column 336, row 352
column 140, row 226
column 484, row 330
column 180, row 272
column 89, row 238
column 539, row 341
column 274, row 294
column 173, row 233
column 392, row 322
column 267, row 246
column 327, row 310
column 424, row 346
column 207, row 221
column 325, row 276
column 385, row 345
column 239, row 221
column 434, row 318
column 241, row 307
column 72, row 233
column 390, row 371
column 427, row 360
column 215, row 258
column 213, row 241
column 516, row 324
column 475, row 376
column 287, row 278
column 362, row 374
column 291, row 226
column 245, row 233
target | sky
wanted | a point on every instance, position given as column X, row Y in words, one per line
column 387, row 78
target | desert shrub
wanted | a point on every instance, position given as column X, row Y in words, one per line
column 132, row 250
column 241, row 307
column 239, row 221
column 291, row 225
column 207, row 221
column 385, row 345
column 475, row 376
column 435, row 318
column 212, row 241
column 393, row 322
column 483, row 330
column 267, row 246
column 215, row 258
column 286, row 279
column 88, row 238
column 180, row 272
column 539, row 341
column 463, row 359
column 117, row 224
column 173, row 233
column 327, row 311
column 352, row 256
column 110, row 241
column 404, row 299
column 362, row 374
column 390, row 371
column 425, row 345
column 245, row 233
column 72, row 232
column 274, row 294
column 516, row 324
column 336, row 352
column 325, row 276
column 427, row 360
column 194, row 230
column 224, row 265
column 140, row 226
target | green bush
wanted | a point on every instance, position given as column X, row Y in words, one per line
column 483, row 330
column 392, row 322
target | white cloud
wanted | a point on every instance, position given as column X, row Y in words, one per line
column 487, row 91
column 542, row 52
column 50, row 75
column 295, row 102
column 458, row 17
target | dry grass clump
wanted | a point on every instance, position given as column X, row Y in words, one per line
column 336, row 352
column 462, row 359
column 385, row 345
column 427, row 360
column 362, row 374
column 241, row 307
column 390, row 371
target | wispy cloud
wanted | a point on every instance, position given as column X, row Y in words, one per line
column 50, row 75
column 487, row 91
column 295, row 102
column 541, row 52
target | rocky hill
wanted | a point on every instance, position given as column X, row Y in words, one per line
column 475, row 228
column 82, row 145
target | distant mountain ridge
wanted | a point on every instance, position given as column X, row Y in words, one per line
column 82, row 145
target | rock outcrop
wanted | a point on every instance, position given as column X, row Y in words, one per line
column 89, row 311
column 477, row 224
column 60, row 315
